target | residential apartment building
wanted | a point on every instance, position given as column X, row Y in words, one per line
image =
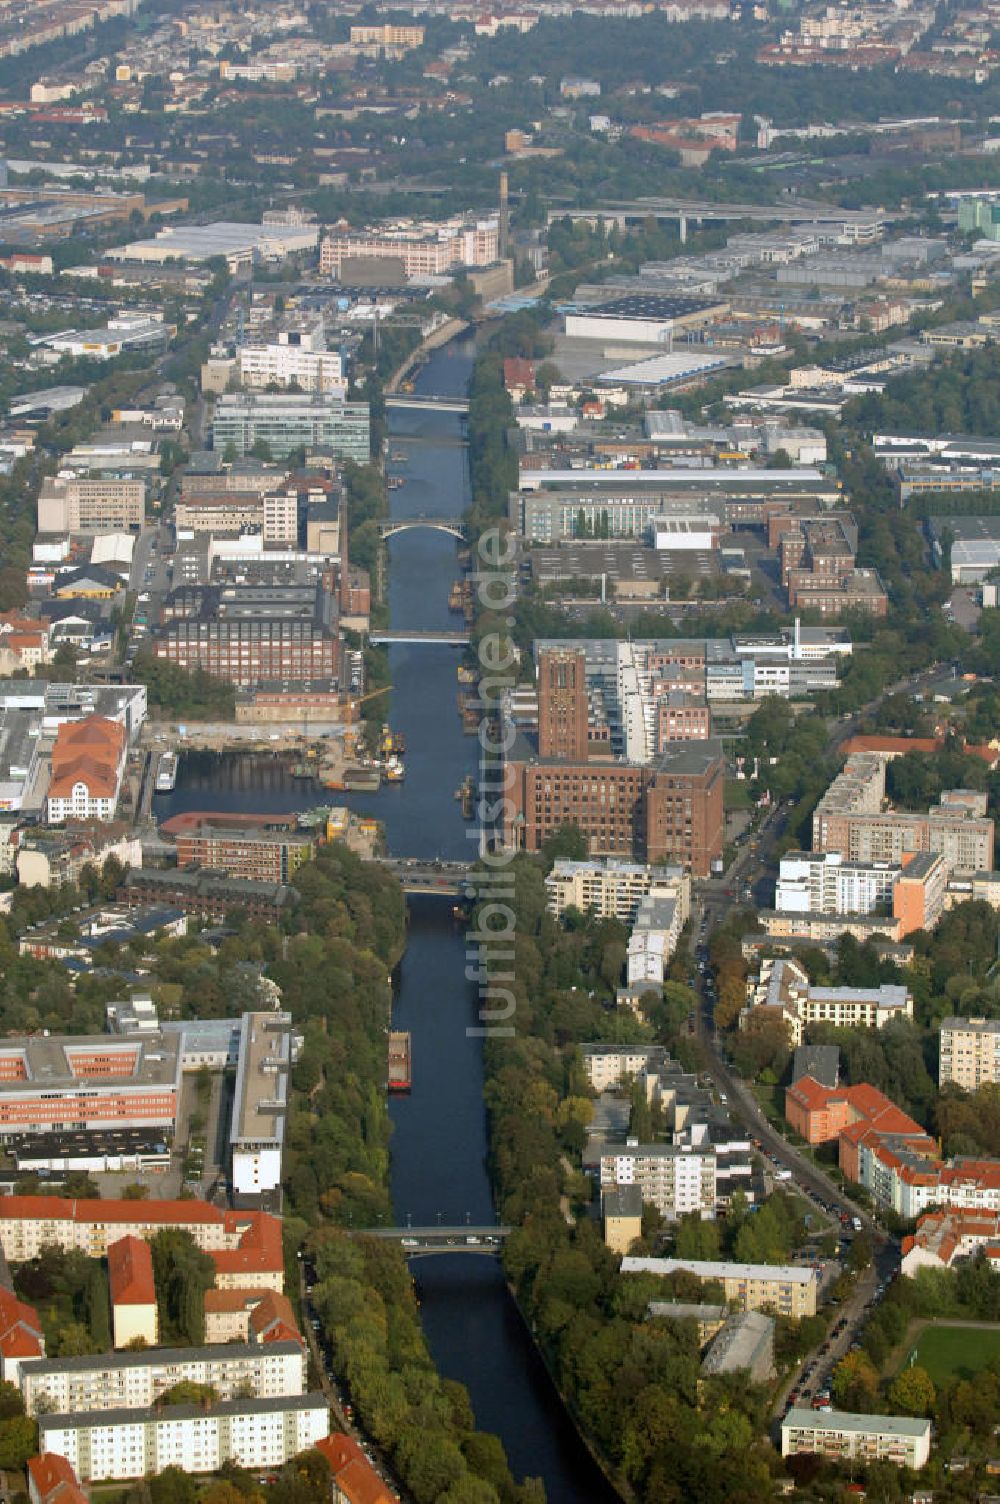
column 822, row 882
column 675, row 1179
column 859, row 1117
column 851, row 819
column 249, row 634
column 88, row 764
column 287, row 361
column 49, row 858
column 91, row 506
column 268, row 856
column 782, row 986
column 209, row 895
column 969, row 1052
column 118, row 1445
column 128, row 1380
column 612, row 889
column 51, row 1480
column 285, row 423
column 842, row 1436
column 422, row 247
column 21, row 1336
column 784, row 1288
column 245, row 1246
column 249, row 1316
column 132, row 1288
column 610, row 1065
column 943, row 1237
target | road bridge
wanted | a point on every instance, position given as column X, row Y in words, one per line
column 418, row 1242
column 449, row 879
column 446, row 639
column 453, row 526
column 862, row 225
column 413, row 403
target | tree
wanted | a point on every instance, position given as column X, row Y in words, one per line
column 568, row 843
column 18, row 1440
column 912, row 1392
column 173, row 1486
column 855, row 1382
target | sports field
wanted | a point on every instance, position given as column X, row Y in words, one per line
column 956, row 1350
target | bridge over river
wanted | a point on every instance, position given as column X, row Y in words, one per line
column 450, row 879
column 417, row 1242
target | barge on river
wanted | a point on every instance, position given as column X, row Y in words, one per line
column 400, row 1077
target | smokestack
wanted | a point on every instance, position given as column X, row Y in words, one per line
column 504, row 218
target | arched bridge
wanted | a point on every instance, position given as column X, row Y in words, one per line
column 452, row 525
column 418, row 1242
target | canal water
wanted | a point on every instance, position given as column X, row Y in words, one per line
column 439, row 1143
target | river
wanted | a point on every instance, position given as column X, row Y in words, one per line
column 439, row 1140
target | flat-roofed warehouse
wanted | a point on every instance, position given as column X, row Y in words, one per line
column 240, row 244
column 642, row 318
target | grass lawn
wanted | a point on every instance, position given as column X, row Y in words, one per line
column 948, row 1350
column 737, row 795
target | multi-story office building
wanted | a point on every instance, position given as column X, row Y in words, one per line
column 260, row 1107
column 851, row 818
column 563, row 710
column 268, row 856
column 288, row 361
column 118, row 1445
column 249, row 634
column 135, row 1380
column 969, row 1052
column 843, row 1436
column 784, row 1288
column 286, row 423
column 88, row 764
column 91, row 506
column 670, row 811
column 554, row 505
column 245, row 1246
column 422, row 247
column 87, row 1082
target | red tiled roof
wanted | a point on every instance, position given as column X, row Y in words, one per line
column 54, row 1479
column 20, row 1328
column 273, row 1320
column 356, row 1478
column 87, row 751
column 130, row 1271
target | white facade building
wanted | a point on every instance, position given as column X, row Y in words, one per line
column 124, row 1444
column 281, row 364
column 135, row 1380
column 822, row 882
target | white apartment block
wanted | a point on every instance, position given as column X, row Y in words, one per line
column 821, row 882
column 675, row 1179
column 843, row 1436
column 135, row 1380
column 281, row 364
column 783, row 1288
column 969, row 1052
column 614, row 890
column 609, row 1065
column 118, row 1445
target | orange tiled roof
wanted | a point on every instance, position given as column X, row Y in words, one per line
column 87, row 751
